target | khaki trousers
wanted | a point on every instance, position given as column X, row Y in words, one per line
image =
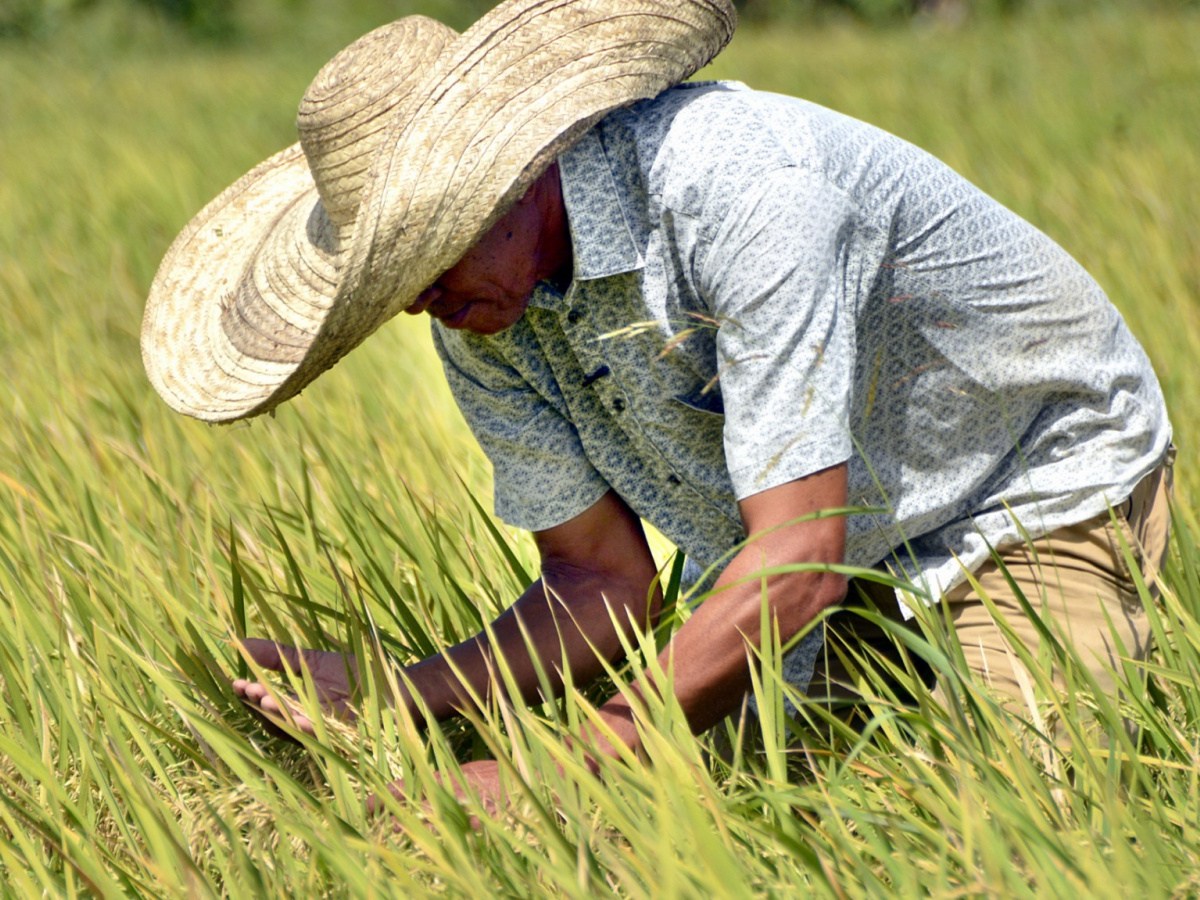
column 1078, row 585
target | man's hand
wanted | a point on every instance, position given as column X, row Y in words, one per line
column 334, row 676
column 480, row 781
column 598, row 589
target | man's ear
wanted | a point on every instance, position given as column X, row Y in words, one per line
column 541, row 183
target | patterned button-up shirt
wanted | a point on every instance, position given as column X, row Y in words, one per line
column 764, row 288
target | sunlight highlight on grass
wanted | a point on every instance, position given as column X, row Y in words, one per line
column 135, row 546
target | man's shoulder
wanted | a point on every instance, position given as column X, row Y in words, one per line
column 700, row 122
column 702, row 143
column 696, row 104
column 695, row 100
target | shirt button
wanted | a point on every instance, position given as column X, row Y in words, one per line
column 618, row 404
column 574, row 316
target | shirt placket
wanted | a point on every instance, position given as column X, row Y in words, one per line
column 667, row 495
column 597, row 372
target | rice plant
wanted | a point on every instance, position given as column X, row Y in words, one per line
column 136, row 547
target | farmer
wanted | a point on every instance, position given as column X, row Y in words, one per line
column 717, row 310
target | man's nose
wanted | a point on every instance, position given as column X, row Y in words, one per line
column 424, row 300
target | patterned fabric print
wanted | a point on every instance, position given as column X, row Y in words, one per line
column 764, row 288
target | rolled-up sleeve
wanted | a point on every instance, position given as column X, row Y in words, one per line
column 542, row 477
column 778, row 278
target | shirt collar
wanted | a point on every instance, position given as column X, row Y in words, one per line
column 601, row 239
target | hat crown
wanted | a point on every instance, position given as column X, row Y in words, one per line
column 347, row 109
column 413, row 142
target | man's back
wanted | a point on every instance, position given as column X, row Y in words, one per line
column 830, row 293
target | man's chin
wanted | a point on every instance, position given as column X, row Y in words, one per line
column 487, row 328
column 478, row 322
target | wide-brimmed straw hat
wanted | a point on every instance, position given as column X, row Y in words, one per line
column 414, row 140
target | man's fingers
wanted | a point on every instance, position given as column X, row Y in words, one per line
column 376, row 804
column 330, row 679
column 248, row 690
column 278, row 712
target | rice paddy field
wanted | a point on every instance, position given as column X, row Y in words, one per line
column 135, row 545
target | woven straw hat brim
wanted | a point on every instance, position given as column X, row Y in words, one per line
column 262, row 293
column 194, row 331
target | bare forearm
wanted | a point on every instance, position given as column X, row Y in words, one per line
column 576, row 632
column 710, row 658
column 597, row 572
column 727, row 631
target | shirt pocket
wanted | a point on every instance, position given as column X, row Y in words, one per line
column 710, row 401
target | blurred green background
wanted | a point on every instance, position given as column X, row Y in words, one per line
column 225, row 20
column 134, row 543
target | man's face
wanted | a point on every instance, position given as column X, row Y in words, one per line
column 488, row 289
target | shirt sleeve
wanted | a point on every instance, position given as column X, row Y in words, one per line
column 779, row 278
column 541, row 474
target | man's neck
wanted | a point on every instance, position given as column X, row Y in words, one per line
column 555, row 253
